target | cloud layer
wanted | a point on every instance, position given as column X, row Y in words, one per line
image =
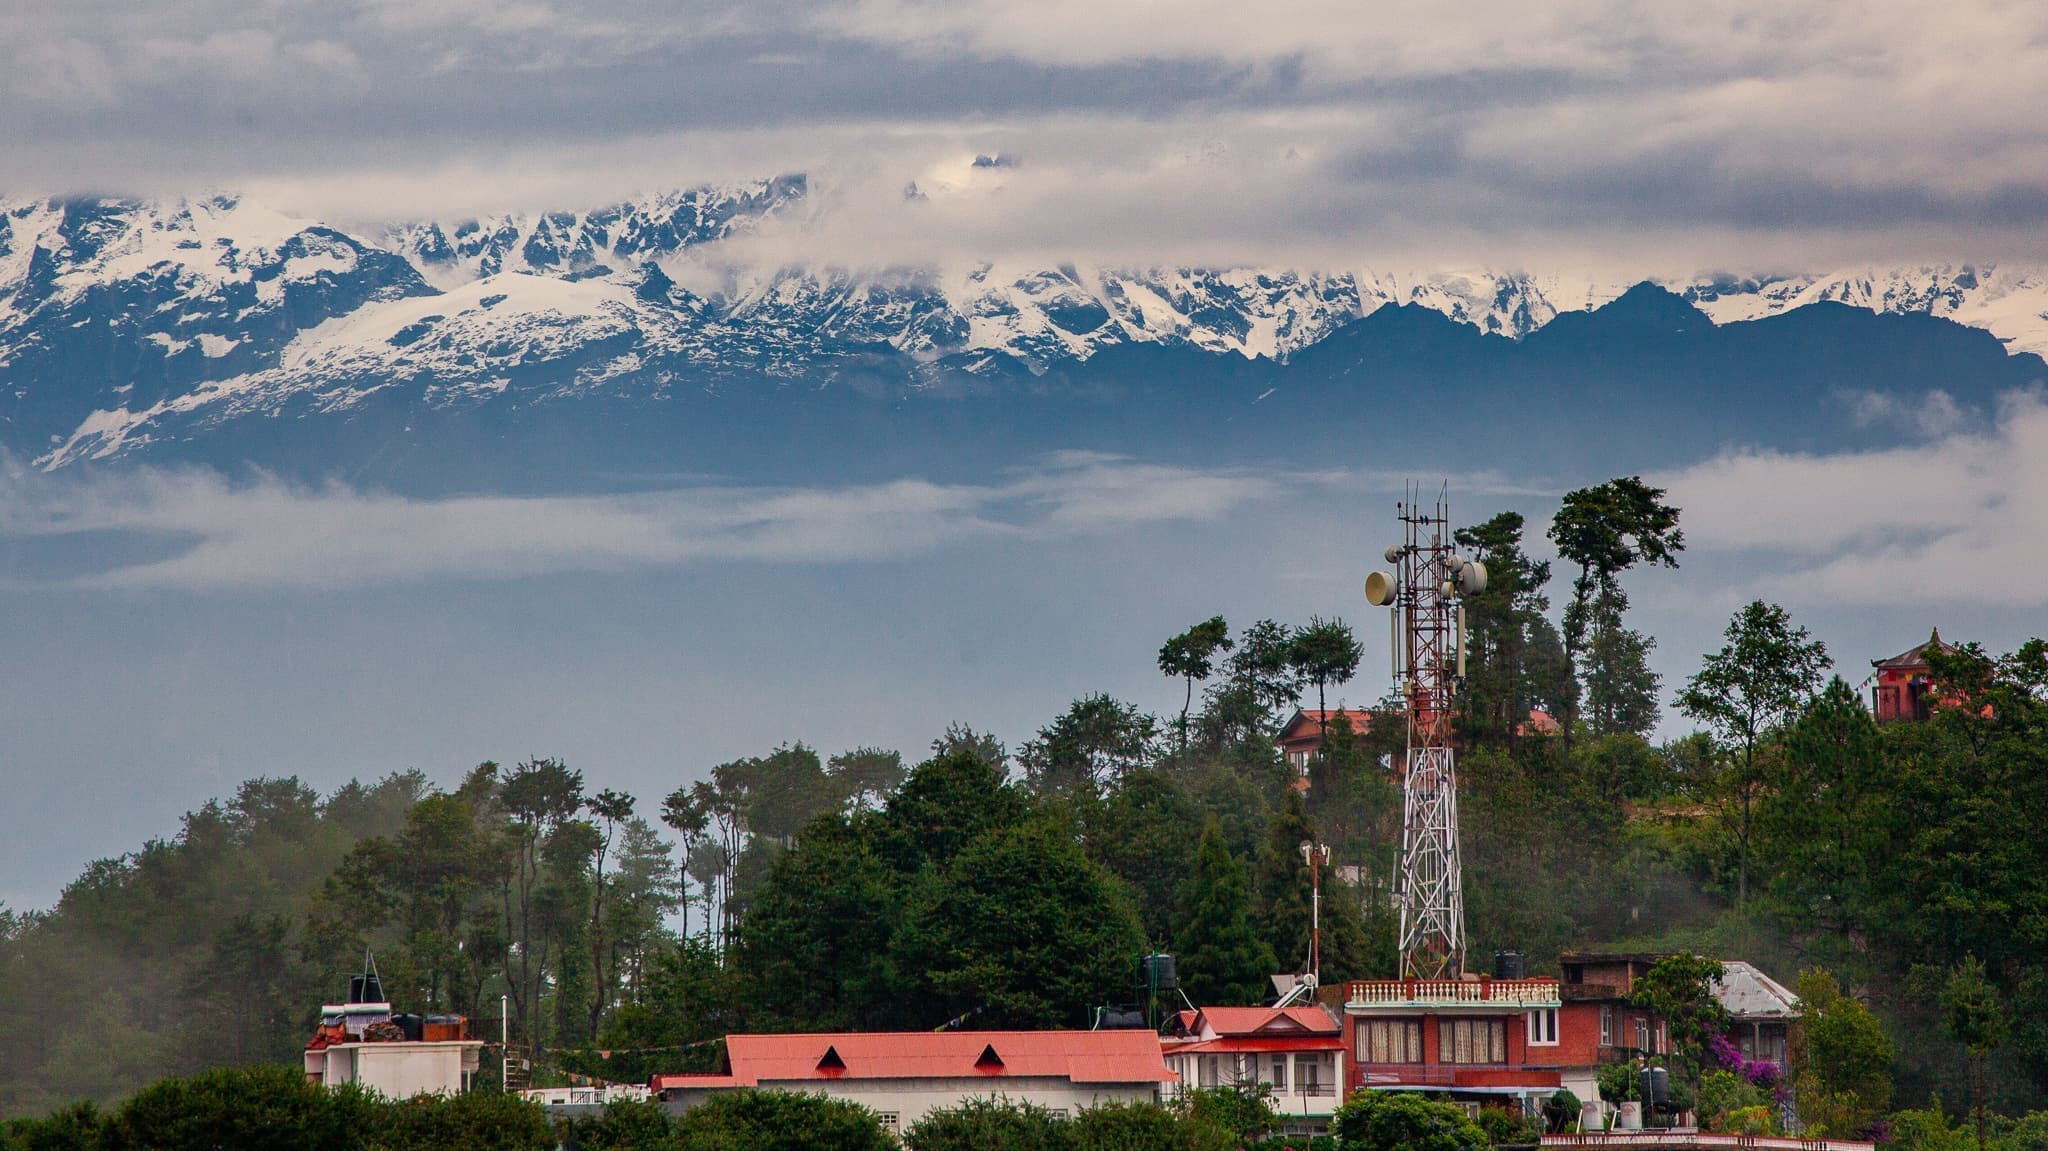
column 218, row 535
column 1961, row 519
column 1740, row 133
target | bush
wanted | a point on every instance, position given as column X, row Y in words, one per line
column 989, row 1125
column 1503, row 1126
column 779, row 1121
column 75, row 1128
column 235, row 1108
column 1246, row 1116
column 1561, row 1110
column 1399, row 1121
column 1144, row 1127
column 625, row 1125
column 1756, row 1120
column 1619, row 1082
column 1722, row 1093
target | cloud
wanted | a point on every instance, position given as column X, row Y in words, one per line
column 218, row 534
column 1954, row 520
column 1733, row 133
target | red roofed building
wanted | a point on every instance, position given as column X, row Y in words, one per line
column 1296, row 1052
column 1905, row 683
column 1302, row 734
column 1477, row 1040
column 902, row 1075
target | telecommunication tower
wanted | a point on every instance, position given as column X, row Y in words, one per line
column 1426, row 589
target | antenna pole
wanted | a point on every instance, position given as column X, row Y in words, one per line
column 1431, row 657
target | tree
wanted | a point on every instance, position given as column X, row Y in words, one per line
column 1973, row 1015
column 1262, row 669
column 539, row 797
column 1621, row 690
column 1756, row 683
column 1814, row 824
column 815, row 938
column 1680, row 989
column 1091, row 745
column 1844, row 1061
column 1019, row 930
column 1222, row 959
column 1515, row 662
column 1607, row 530
column 779, row 1121
column 1285, row 900
column 1400, row 1121
column 614, row 808
column 1191, row 656
column 1323, row 653
column 866, row 775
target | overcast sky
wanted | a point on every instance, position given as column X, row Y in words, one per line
column 167, row 634
column 1751, row 134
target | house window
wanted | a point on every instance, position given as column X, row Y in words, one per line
column 1390, row 1041
column 1607, row 1027
column 1663, row 1038
column 1468, row 1040
column 1059, row 1113
column 1308, row 1074
column 888, row 1119
column 1543, row 1027
column 1209, row 1071
column 1642, row 1034
column 1279, row 1072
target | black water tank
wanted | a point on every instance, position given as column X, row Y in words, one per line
column 1157, row 971
column 1510, row 965
column 412, row 1026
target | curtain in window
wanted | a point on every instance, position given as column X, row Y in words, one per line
column 1390, row 1041
column 1472, row 1040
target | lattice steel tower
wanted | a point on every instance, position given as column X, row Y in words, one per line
column 1425, row 590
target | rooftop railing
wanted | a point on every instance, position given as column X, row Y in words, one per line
column 1519, row 993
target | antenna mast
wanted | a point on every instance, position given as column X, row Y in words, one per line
column 1426, row 593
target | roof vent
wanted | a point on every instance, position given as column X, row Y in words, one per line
column 831, row 1062
column 989, row 1061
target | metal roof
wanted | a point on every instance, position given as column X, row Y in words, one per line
column 1077, row 1056
column 1748, row 993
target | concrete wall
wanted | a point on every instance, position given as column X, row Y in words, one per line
column 910, row 1099
column 401, row 1070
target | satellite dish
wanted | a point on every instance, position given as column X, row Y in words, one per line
column 1379, row 589
column 1394, row 554
column 1472, row 580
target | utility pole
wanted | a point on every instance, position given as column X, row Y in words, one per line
column 1317, row 856
column 1426, row 591
column 504, row 1044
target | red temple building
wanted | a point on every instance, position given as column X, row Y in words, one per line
column 1905, row 683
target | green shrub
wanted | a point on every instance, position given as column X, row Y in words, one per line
column 234, row 1108
column 1504, row 1126
column 624, row 1125
column 74, row 1128
column 1247, row 1116
column 1401, row 1121
column 779, row 1121
column 1145, row 1127
column 989, row 1125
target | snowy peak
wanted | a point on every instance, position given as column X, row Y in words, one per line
column 2009, row 302
column 577, row 245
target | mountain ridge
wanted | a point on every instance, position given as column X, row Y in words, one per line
column 123, row 322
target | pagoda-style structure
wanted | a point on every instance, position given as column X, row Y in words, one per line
column 1904, row 687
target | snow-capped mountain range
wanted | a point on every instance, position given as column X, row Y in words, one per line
column 123, row 321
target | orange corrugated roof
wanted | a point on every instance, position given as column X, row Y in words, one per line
column 1250, row 1020
column 1080, row 1056
column 1297, row 1041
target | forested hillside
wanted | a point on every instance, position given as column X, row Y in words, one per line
column 996, row 887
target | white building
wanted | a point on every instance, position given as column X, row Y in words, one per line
column 901, row 1076
column 396, row 1056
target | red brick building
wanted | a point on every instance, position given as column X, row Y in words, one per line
column 1597, row 1025
column 1480, row 1041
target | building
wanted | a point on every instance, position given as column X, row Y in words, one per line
column 1302, row 734
column 901, row 1076
column 1296, row 1052
column 1479, row 1041
column 1760, row 1011
column 399, row 1056
column 1597, row 1024
column 1905, row 683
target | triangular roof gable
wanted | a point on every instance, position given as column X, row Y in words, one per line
column 830, row 1062
column 989, row 1061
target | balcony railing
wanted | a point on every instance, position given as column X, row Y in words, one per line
column 1517, row 993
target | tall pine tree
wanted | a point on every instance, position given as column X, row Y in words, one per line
column 1222, row 961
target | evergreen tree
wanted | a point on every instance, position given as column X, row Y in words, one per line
column 1222, row 959
column 1324, row 653
column 1606, row 530
column 1191, row 656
